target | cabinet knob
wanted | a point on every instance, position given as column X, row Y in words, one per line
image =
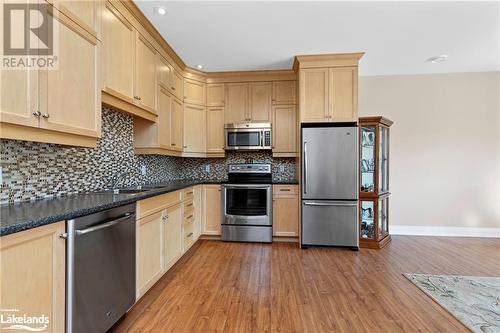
column 139, row 98
column 173, row 88
column 45, row 115
column 184, row 146
column 37, row 113
column 190, row 234
column 172, row 144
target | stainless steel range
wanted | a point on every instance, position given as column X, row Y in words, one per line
column 247, row 204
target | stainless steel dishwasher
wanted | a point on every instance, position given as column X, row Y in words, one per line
column 100, row 269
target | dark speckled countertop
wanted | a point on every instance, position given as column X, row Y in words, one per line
column 27, row 215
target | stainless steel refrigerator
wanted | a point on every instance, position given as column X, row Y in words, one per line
column 329, row 186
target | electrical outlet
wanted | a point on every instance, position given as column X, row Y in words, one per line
column 282, row 168
column 207, row 168
column 144, row 170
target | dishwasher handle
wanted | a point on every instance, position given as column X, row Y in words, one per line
column 104, row 225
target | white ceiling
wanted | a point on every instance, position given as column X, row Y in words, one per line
column 397, row 37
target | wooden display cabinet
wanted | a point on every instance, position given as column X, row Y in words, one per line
column 374, row 192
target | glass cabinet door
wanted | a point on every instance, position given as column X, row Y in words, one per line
column 367, row 161
column 367, row 218
column 383, row 217
column 383, row 160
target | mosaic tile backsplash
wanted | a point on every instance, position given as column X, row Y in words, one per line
column 33, row 170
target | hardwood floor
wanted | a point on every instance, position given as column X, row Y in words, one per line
column 232, row 287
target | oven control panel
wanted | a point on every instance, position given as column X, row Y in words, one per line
column 267, row 138
column 249, row 168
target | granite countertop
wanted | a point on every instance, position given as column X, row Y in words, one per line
column 27, row 215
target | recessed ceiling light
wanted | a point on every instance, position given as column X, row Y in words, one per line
column 199, row 66
column 437, row 59
column 161, row 10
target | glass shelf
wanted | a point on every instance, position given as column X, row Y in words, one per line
column 367, row 161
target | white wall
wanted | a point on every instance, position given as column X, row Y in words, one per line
column 445, row 146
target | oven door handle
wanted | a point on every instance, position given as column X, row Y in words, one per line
column 248, row 186
column 104, row 225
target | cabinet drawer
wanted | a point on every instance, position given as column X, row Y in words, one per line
column 188, row 235
column 151, row 205
column 279, row 190
column 188, row 193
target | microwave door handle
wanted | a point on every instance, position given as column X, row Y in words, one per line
column 262, row 139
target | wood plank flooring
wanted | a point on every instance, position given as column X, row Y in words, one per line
column 233, row 287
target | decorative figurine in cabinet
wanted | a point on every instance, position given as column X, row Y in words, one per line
column 374, row 181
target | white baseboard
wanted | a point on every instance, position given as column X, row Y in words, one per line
column 444, row 231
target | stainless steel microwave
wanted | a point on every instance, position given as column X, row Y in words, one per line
column 248, row 136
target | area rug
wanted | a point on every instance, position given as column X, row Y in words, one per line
column 475, row 301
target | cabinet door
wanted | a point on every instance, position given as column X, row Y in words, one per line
column 164, row 117
column 194, row 129
column 83, row 12
column 176, row 125
column 70, row 101
column 215, row 130
column 313, row 92
column 285, row 211
column 212, row 207
column 259, row 104
column 215, row 94
column 284, row 92
column 197, row 201
column 164, row 73
column 173, row 235
column 236, row 110
column 32, row 273
column 118, row 41
column 176, row 85
column 343, row 95
column 284, row 129
column 194, row 92
column 19, row 97
column 149, row 251
column 145, row 70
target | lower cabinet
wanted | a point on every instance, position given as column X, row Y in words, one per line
column 285, row 211
column 173, row 235
column 32, row 268
column 149, row 251
column 212, row 210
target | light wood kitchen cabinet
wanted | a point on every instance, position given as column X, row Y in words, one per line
column 145, row 74
column 198, row 216
column 70, row 97
column 285, row 211
column 343, row 94
column 172, row 235
column 118, row 40
column 195, row 92
column 212, row 207
column 284, row 121
column 194, row 128
column 314, row 95
column 215, row 131
column 149, row 251
column 32, row 272
column 61, row 106
column 165, row 73
column 177, row 85
column 176, row 126
column 284, row 92
column 216, row 94
column 259, row 102
column 236, row 105
column 85, row 13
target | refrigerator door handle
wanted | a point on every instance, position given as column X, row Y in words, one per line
column 305, row 167
column 330, row 203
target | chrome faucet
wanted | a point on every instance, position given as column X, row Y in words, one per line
column 116, row 178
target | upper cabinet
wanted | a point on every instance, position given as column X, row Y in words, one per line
column 215, row 131
column 328, row 87
column 60, row 105
column 195, row 92
column 177, row 85
column 236, row 106
column 85, row 13
column 284, row 131
column 259, row 103
column 145, row 74
column 248, row 102
column 215, row 94
column 284, row 92
column 118, row 40
column 194, row 128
